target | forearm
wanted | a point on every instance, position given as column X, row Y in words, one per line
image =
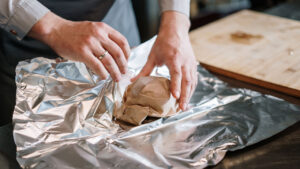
column 174, row 23
column 46, row 26
column 174, row 16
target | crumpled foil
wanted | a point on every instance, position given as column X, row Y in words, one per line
column 63, row 119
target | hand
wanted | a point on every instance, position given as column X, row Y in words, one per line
column 173, row 48
column 84, row 42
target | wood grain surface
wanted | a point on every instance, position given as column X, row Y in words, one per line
column 252, row 47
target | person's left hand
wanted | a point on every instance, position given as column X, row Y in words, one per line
column 173, row 48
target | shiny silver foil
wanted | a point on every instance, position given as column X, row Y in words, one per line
column 63, row 119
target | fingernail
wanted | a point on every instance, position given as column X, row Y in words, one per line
column 118, row 79
column 177, row 95
column 132, row 79
column 184, row 106
column 125, row 71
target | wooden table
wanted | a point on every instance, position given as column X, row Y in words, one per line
column 253, row 47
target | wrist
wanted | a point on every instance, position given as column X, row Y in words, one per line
column 174, row 22
column 43, row 29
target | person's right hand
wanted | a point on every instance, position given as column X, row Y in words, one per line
column 85, row 42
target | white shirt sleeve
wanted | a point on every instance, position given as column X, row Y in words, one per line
column 182, row 6
column 18, row 16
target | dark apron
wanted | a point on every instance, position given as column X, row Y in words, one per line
column 116, row 13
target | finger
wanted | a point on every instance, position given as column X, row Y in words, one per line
column 93, row 63
column 176, row 76
column 185, row 88
column 117, row 54
column 122, row 42
column 194, row 83
column 196, row 78
column 108, row 63
column 147, row 69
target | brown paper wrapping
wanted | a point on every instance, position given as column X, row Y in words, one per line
column 148, row 96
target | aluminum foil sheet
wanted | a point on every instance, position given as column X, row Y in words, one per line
column 63, row 119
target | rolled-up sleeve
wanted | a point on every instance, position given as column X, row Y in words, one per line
column 182, row 6
column 18, row 16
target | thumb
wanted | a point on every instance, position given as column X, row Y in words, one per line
column 147, row 69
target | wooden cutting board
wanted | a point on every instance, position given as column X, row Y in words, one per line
column 252, row 47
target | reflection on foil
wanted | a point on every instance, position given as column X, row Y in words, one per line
column 63, row 119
